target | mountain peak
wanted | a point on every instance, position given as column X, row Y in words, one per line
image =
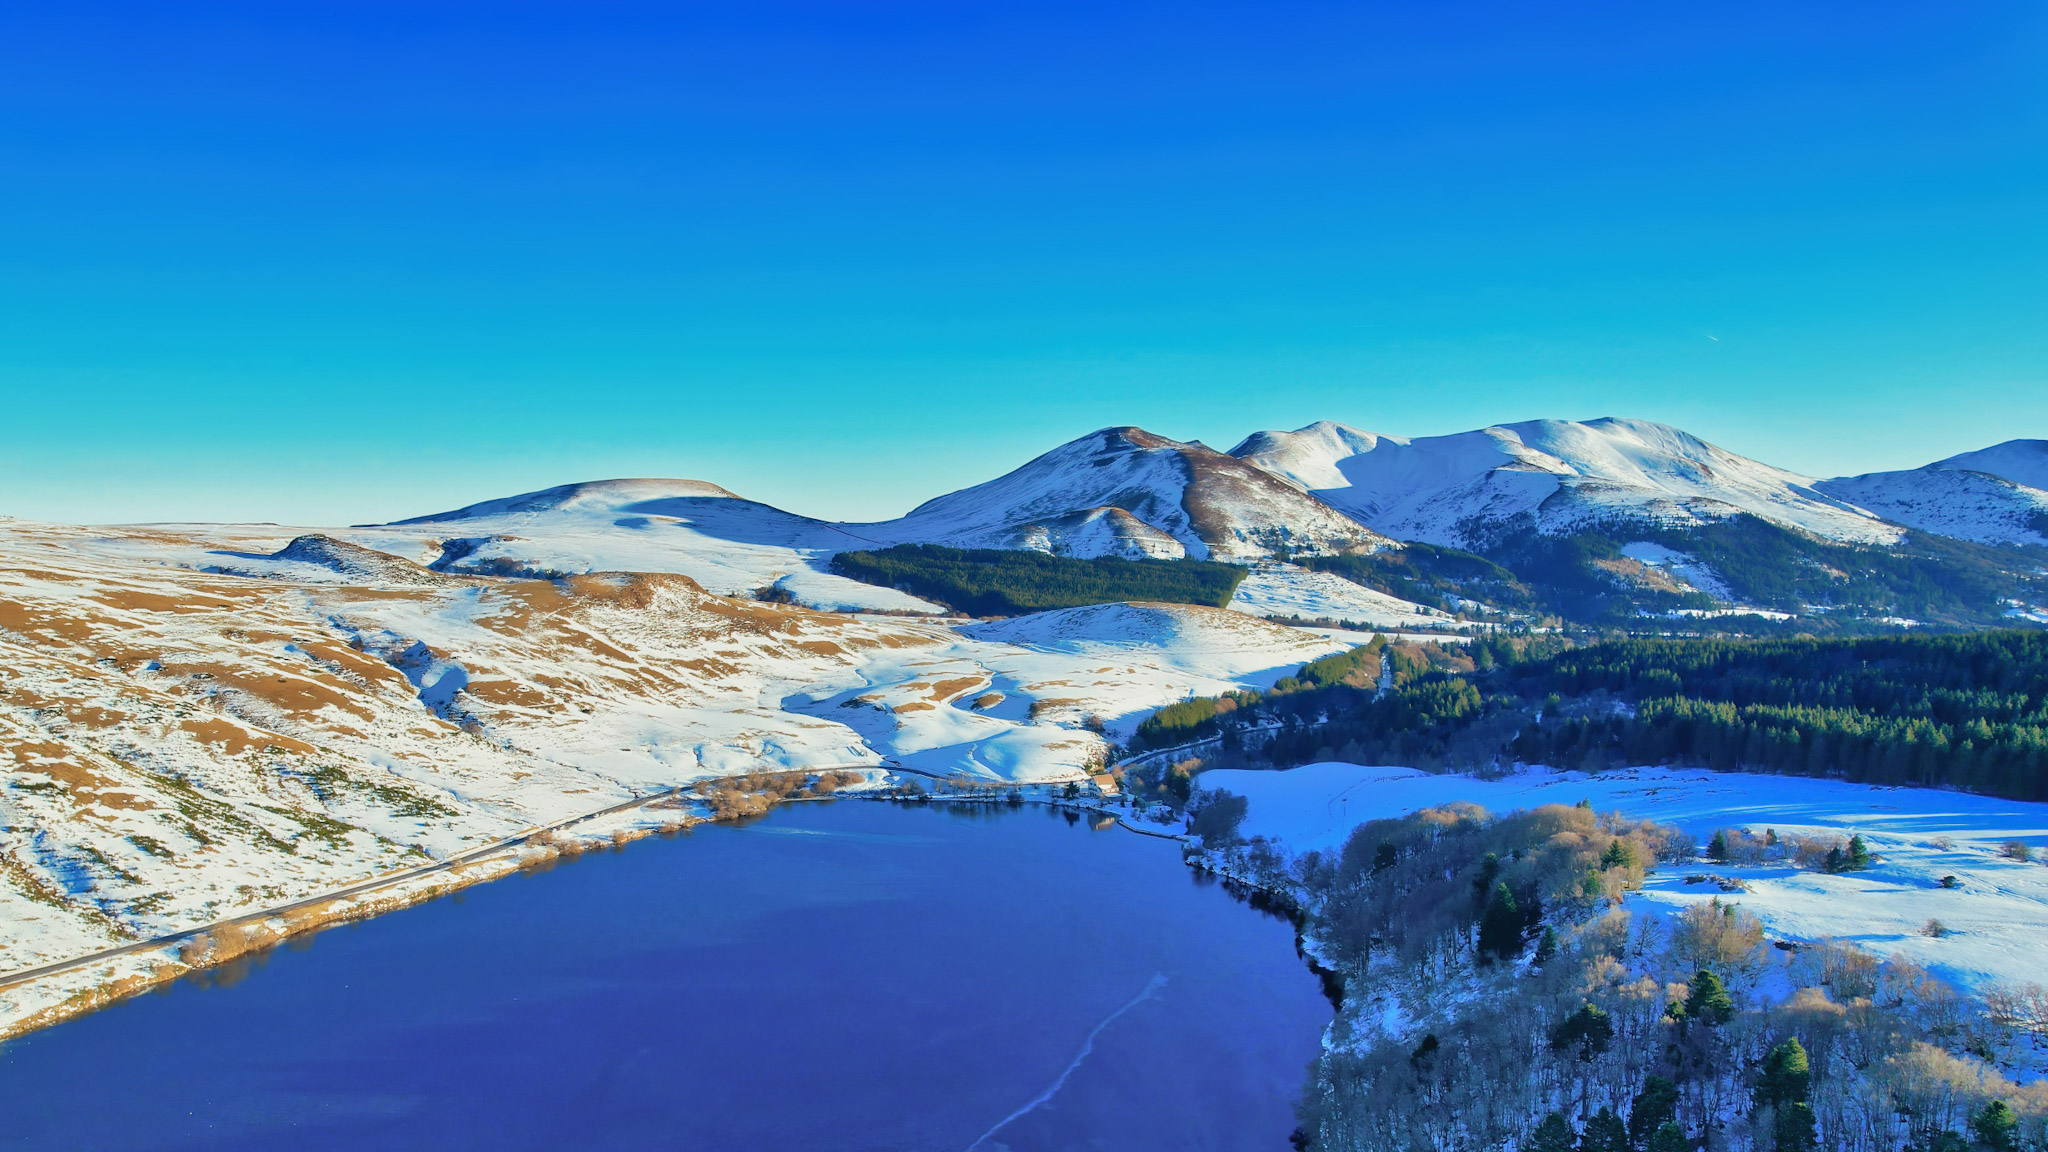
column 2021, row 461
column 1176, row 498
column 1557, row 474
column 588, row 495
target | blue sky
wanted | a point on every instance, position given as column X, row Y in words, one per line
column 334, row 262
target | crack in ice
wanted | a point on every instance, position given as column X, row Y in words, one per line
column 1152, row 988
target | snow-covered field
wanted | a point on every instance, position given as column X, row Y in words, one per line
column 1284, row 590
column 1996, row 917
column 1016, row 699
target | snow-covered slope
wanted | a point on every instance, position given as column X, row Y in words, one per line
column 1558, row 474
column 1125, row 491
column 2020, row 461
column 1997, row 495
column 729, row 545
column 1974, row 506
column 1017, row 699
column 1286, row 591
column 1996, row 916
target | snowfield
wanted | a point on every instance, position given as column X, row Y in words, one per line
column 1284, row 590
column 728, row 545
column 1950, row 501
column 1560, row 473
column 1997, row 916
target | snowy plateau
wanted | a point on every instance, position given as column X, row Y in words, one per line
column 202, row 721
column 1996, row 914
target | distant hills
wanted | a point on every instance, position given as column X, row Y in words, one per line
column 1606, row 521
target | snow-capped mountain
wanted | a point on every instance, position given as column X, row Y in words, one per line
column 2020, row 461
column 1127, row 492
column 1117, row 492
column 1558, row 475
column 729, row 545
column 1997, row 495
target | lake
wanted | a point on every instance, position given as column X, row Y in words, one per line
column 853, row 975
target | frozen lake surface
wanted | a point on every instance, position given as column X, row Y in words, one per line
column 853, row 975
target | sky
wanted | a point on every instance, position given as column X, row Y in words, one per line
column 325, row 263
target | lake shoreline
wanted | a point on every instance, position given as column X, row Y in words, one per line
column 672, row 928
column 51, row 994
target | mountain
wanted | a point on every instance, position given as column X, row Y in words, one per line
column 1556, row 476
column 1974, row 506
column 729, row 545
column 1997, row 495
column 1605, row 520
column 1613, row 521
column 1127, row 492
column 2021, row 461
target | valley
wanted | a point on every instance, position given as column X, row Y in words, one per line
column 221, row 736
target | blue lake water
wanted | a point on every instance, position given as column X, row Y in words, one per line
column 853, row 975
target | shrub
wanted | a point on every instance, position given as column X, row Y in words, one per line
column 1217, row 816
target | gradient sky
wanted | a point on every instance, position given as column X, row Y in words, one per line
column 340, row 262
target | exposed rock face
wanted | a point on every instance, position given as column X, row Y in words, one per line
column 1126, row 491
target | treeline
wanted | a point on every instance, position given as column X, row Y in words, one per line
column 1584, row 578
column 1363, row 667
column 1001, row 582
column 1497, row 993
column 1961, row 711
column 1442, row 578
column 1926, row 578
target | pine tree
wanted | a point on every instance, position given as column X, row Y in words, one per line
column 1794, row 1131
column 1996, row 1126
column 1709, row 1002
column 1655, row 1106
column 1835, row 862
column 1553, row 1135
column 1604, row 1133
column 1859, row 853
column 1717, row 848
column 1546, row 948
column 1589, row 885
column 1589, row 1030
column 1669, row 1138
column 1488, row 869
column 1500, row 929
column 1786, row 1074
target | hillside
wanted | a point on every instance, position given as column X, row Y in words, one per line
column 1968, row 712
column 999, row 582
column 1555, row 476
column 1992, row 496
column 1605, row 523
column 201, row 722
column 729, row 545
column 1127, row 492
column 1630, row 524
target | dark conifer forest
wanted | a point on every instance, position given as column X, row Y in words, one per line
column 1001, row 582
column 1965, row 711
